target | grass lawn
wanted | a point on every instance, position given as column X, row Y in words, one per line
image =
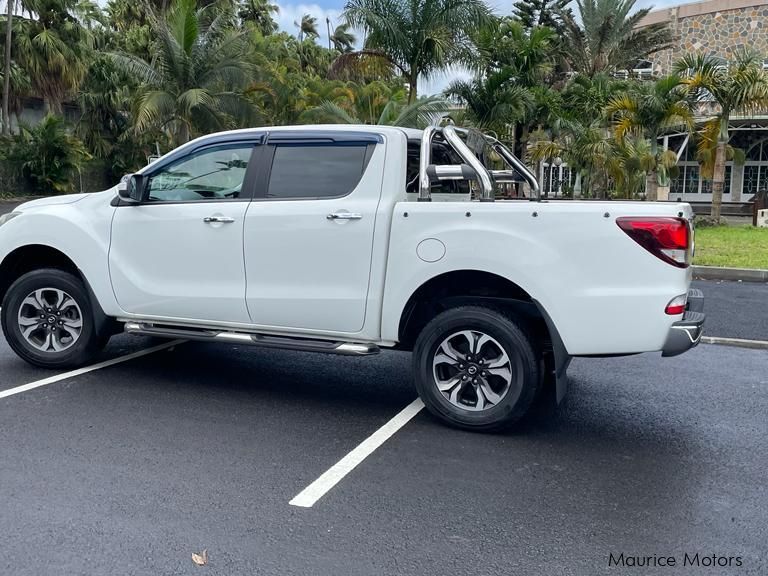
column 732, row 246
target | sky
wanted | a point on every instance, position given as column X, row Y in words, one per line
column 290, row 13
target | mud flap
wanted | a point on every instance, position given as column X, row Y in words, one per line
column 561, row 357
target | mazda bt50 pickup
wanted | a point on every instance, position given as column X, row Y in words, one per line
column 349, row 240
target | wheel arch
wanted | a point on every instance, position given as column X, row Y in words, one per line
column 466, row 286
column 30, row 257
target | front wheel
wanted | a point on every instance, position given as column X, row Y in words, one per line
column 475, row 368
column 48, row 320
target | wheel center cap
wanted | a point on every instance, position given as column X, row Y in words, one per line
column 472, row 370
column 51, row 319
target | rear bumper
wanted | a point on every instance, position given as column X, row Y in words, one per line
column 686, row 333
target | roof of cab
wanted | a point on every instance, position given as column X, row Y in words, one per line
column 306, row 130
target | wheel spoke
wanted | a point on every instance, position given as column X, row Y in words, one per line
column 46, row 346
column 485, row 389
column 449, row 350
column 481, row 341
column 454, row 397
column 447, row 385
column 442, row 358
column 56, row 343
column 73, row 332
column 60, row 296
column 497, row 362
column 28, row 330
column 504, row 371
column 38, row 296
column 26, row 321
column 67, row 303
column 73, row 322
column 31, row 301
column 470, row 337
column 480, row 405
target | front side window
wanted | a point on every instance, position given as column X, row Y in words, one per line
column 316, row 170
column 211, row 174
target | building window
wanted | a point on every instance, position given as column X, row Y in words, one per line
column 557, row 180
column 754, row 178
column 706, row 185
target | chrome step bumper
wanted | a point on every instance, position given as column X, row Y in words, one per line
column 686, row 333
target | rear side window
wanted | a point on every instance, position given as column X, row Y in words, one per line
column 316, row 170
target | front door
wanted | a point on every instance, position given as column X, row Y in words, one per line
column 309, row 231
column 179, row 254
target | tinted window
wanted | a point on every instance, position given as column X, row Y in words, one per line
column 315, row 170
column 210, row 174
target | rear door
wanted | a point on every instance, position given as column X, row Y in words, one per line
column 309, row 230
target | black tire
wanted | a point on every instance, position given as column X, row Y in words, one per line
column 88, row 343
column 506, row 334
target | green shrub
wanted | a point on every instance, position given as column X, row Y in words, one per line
column 47, row 155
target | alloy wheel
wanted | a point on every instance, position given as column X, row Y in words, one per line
column 472, row 370
column 50, row 320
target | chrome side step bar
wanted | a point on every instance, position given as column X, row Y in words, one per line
column 265, row 341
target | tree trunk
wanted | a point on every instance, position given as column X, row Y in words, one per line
column 718, row 181
column 183, row 133
column 412, row 82
column 652, row 186
column 7, row 78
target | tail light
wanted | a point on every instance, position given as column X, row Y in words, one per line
column 677, row 305
column 669, row 239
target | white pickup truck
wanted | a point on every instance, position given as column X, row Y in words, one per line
column 331, row 239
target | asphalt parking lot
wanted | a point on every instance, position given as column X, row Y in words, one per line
column 131, row 468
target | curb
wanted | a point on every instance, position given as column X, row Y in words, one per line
column 717, row 273
column 738, row 342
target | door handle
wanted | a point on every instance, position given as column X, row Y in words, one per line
column 222, row 219
column 344, row 216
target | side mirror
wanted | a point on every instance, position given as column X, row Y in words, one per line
column 132, row 188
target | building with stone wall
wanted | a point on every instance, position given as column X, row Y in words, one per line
column 718, row 28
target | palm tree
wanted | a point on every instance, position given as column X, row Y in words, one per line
column 514, row 67
column 419, row 37
column 259, row 13
column 343, row 40
column 646, row 111
column 493, row 102
column 740, row 87
column 192, row 81
column 7, row 69
column 609, row 37
column 549, row 13
column 307, row 27
column 584, row 147
column 53, row 49
column 420, row 114
column 20, row 87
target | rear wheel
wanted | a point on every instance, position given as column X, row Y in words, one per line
column 475, row 368
column 48, row 320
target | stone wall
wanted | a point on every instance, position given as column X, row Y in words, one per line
column 718, row 27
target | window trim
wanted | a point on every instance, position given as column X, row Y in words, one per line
column 319, row 139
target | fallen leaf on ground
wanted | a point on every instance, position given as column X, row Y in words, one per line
column 200, row 559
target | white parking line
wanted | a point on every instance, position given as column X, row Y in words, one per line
column 85, row 370
column 320, row 487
